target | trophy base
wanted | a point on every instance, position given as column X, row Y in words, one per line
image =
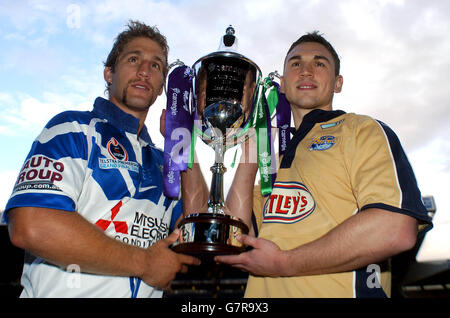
column 205, row 251
column 205, row 235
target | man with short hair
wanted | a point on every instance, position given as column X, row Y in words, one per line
column 88, row 205
column 344, row 201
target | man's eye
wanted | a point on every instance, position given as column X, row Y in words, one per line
column 157, row 66
column 320, row 64
column 132, row 59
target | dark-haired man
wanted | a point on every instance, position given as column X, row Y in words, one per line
column 344, row 201
column 88, row 206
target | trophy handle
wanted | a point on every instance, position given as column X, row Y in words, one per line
column 178, row 62
column 274, row 74
column 216, row 194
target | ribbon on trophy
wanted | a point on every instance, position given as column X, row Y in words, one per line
column 178, row 129
column 264, row 141
column 278, row 101
column 271, row 100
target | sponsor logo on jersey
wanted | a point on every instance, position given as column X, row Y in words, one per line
column 119, row 158
column 322, row 143
column 39, row 173
column 142, row 232
column 119, row 226
column 289, row 202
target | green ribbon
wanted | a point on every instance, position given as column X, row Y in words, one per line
column 193, row 142
column 265, row 108
column 272, row 97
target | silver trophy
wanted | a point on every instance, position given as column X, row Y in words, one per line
column 225, row 89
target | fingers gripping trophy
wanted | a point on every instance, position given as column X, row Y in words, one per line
column 224, row 108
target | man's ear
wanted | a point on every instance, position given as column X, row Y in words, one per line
column 338, row 84
column 108, row 75
column 282, row 85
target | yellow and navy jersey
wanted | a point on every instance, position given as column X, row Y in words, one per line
column 336, row 165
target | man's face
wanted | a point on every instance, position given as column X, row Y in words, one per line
column 138, row 77
column 309, row 80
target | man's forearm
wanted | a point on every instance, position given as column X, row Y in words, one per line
column 194, row 190
column 240, row 196
column 367, row 237
column 65, row 238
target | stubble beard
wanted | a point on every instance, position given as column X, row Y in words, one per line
column 134, row 106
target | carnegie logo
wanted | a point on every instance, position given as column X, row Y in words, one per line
column 173, row 107
column 116, row 150
column 322, row 143
column 289, row 202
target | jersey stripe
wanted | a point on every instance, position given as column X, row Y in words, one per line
column 393, row 163
column 406, row 179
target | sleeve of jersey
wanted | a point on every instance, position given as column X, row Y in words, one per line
column 381, row 174
column 53, row 173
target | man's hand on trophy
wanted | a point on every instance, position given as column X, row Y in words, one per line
column 162, row 264
column 264, row 259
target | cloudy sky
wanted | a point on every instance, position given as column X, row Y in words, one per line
column 395, row 59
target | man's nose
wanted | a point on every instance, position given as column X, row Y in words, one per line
column 144, row 69
column 306, row 69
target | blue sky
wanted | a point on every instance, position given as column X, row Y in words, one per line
column 395, row 59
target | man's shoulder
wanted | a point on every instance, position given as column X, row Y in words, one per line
column 357, row 117
column 71, row 116
column 355, row 121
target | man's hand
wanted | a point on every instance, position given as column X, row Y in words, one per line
column 368, row 237
column 265, row 259
column 163, row 264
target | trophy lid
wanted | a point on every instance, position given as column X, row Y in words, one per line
column 228, row 47
column 229, row 41
column 224, row 90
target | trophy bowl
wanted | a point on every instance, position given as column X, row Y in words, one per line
column 224, row 94
column 224, row 87
column 205, row 235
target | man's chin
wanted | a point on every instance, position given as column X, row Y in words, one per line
column 137, row 103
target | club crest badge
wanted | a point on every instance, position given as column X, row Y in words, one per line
column 116, row 150
column 289, row 202
column 118, row 158
column 322, row 143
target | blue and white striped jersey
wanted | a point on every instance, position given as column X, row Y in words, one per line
column 94, row 163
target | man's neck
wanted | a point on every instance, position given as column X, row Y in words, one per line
column 299, row 113
column 140, row 115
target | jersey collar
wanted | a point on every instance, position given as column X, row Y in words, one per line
column 117, row 117
column 309, row 120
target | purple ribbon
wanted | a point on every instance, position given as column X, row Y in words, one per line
column 178, row 129
column 283, row 121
